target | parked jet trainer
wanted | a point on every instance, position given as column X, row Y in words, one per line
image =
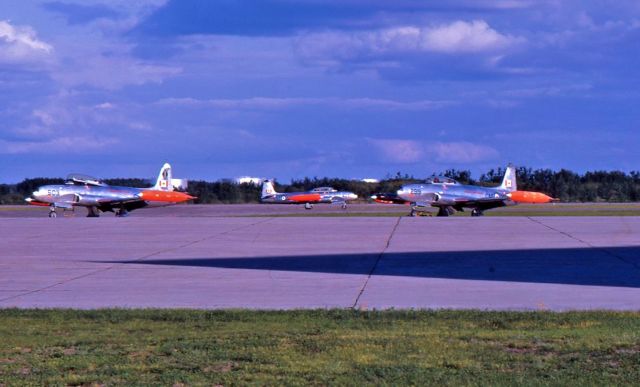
column 449, row 196
column 316, row 195
column 85, row 191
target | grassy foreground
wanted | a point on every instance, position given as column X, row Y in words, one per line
column 174, row 347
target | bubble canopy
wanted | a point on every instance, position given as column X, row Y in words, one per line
column 78, row 178
column 441, row 180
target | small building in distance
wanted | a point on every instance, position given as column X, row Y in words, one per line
column 248, row 180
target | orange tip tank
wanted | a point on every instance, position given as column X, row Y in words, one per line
column 530, row 197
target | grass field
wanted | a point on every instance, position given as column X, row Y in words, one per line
column 175, row 347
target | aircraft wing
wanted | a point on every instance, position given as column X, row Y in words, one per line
column 444, row 200
column 74, row 199
column 482, row 203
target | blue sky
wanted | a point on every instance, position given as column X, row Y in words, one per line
column 341, row 88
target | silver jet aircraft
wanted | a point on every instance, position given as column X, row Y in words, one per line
column 309, row 198
column 449, row 196
column 89, row 192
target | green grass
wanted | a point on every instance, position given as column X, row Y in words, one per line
column 321, row 347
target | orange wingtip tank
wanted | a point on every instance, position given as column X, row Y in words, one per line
column 305, row 198
column 34, row 202
column 165, row 196
column 530, row 197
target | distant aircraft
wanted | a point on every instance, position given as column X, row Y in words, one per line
column 449, row 196
column 89, row 192
column 316, row 195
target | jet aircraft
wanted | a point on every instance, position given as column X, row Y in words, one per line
column 449, row 196
column 96, row 196
column 309, row 198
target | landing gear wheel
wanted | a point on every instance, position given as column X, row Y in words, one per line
column 308, row 206
column 412, row 213
column 476, row 212
column 122, row 213
column 443, row 211
column 92, row 212
column 344, row 206
column 53, row 214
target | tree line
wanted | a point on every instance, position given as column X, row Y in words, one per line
column 568, row 186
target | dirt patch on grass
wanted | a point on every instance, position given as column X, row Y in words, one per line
column 221, row 367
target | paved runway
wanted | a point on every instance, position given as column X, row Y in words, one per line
column 215, row 210
column 556, row 263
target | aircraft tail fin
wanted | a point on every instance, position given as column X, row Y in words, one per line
column 509, row 180
column 164, row 179
column 267, row 189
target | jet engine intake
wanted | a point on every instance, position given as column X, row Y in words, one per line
column 86, row 201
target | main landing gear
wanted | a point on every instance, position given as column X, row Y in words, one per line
column 443, row 211
column 308, row 206
column 122, row 212
column 92, row 212
column 415, row 211
column 477, row 212
column 52, row 212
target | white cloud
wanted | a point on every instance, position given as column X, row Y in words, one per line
column 267, row 103
column 399, row 151
column 412, row 151
column 458, row 37
column 21, row 44
column 72, row 145
column 461, row 152
column 549, row 91
column 112, row 72
column 461, row 36
column 66, row 115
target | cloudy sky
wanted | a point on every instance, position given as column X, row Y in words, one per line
column 341, row 88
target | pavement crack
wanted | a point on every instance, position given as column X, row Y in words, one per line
column 375, row 265
column 104, row 269
column 603, row 249
column 204, row 239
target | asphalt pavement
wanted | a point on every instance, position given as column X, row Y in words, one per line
column 266, row 262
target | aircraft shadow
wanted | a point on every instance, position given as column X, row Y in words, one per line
column 611, row 266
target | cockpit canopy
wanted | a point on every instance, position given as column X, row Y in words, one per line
column 441, row 180
column 324, row 189
column 80, row 179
